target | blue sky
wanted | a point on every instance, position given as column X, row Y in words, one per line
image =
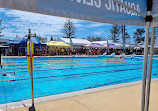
column 18, row 22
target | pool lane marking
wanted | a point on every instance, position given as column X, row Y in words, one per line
column 75, row 68
column 101, row 66
column 61, row 62
column 50, row 62
column 70, row 68
column 64, row 60
column 84, row 61
column 20, row 64
column 82, row 74
column 54, row 60
column 74, row 62
column 65, row 65
column 91, row 63
column 67, row 62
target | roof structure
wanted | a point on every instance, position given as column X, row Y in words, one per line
column 57, row 44
column 23, row 41
column 3, row 40
column 95, row 45
column 100, row 42
column 118, row 45
column 78, row 42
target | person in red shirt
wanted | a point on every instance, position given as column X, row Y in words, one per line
column 92, row 52
column 44, row 51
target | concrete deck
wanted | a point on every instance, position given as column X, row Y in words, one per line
column 120, row 99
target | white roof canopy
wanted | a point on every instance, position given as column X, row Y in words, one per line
column 75, row 41
column 2, row 40
column 100, row 42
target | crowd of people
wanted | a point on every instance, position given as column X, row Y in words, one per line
column 55, row 51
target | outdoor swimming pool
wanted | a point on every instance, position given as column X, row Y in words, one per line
column 55, row 75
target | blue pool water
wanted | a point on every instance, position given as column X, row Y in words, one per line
column 60, row 75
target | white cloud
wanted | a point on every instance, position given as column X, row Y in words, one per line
column 2, row 10
column 96, row 25
column 99, row 32
column 41, row 24
column 86, row 25
column 19, row 22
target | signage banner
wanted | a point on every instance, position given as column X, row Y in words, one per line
column 155, row 11
column 154, row 7
column 105, row 11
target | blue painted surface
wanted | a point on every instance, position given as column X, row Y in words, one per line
column 105, row 11
column 60, row 75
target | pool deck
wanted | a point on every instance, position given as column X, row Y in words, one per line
column 127, row 98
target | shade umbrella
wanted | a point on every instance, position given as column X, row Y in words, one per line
column 57, row 44
column 95, row 45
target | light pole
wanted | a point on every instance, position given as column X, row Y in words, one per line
column 123, row 37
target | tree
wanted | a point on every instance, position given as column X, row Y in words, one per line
column 42, row 39
column 150, row 35
column 98, row 39
column 69, row 29
column 127, row 37
column 34, row 35
column 51, row 39
column 138, row 35
column 89, row 38
column 1, row 28
column 115, row 33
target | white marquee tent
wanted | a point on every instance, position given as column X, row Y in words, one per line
column 125, row 12
column 75, row 41
column 120, row 45
column 100, row 42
